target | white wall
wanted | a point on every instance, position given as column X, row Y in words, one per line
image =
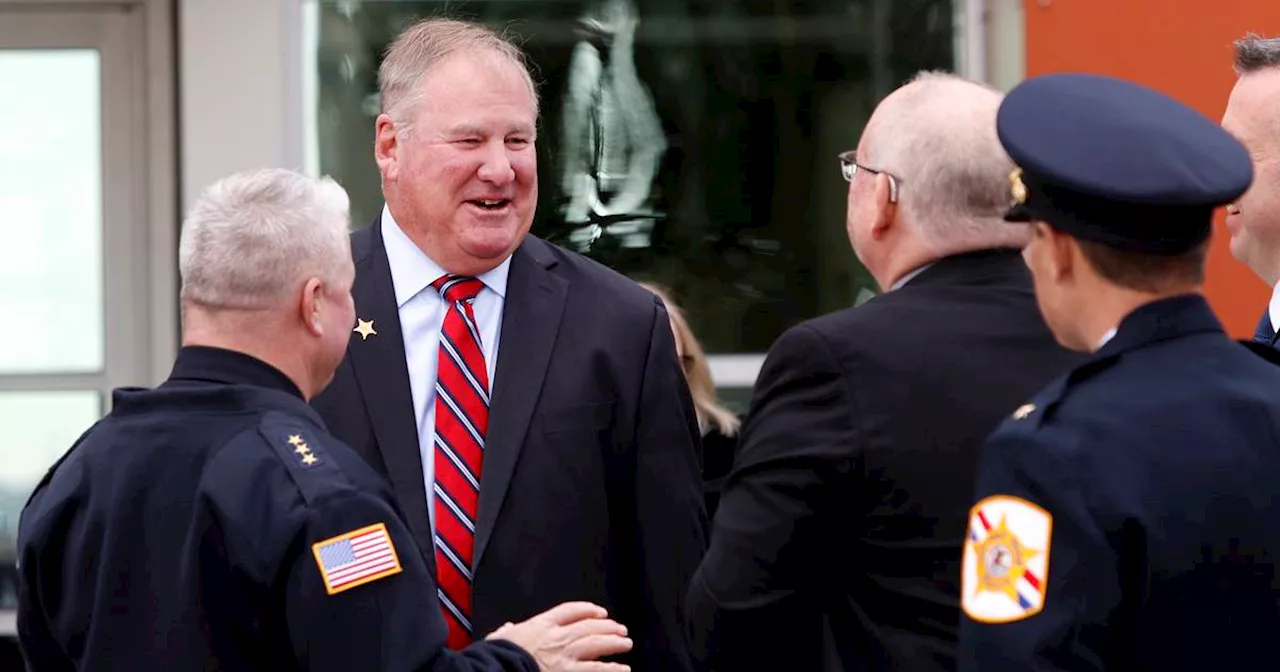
column 241, row 81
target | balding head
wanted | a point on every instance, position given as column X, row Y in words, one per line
column 937, row 133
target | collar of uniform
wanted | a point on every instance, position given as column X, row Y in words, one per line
column 1162, row 320
column 197, row 362
column 413, row 271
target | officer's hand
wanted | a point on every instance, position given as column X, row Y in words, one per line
column 569, row 638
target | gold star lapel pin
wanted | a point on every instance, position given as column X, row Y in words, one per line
column 295, row 440
column 308, row 459
column 1023, row 411
column 365, row 329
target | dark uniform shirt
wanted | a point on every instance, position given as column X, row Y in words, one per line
column 1128, row 517
column 213, row 524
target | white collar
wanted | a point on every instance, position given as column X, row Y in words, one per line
column 1273, row 308
column 1106, row 338
column 909, row 277
column 413, row 271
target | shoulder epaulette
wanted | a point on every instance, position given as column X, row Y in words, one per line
column 301, row 448
column 48, row 475
column 1040, row 409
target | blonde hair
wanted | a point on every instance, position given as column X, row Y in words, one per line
column 697, row 371
column 426, row 44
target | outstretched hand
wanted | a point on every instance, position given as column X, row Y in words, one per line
column 569, row 638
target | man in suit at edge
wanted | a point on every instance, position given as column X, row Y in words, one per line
column 1254, row 219
column 836, row 544
column 526, row 403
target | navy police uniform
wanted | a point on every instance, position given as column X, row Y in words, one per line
column 213, row 524
column 1128, row 516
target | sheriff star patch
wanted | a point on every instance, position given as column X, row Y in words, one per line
column 1006, row 560
column 356, row 558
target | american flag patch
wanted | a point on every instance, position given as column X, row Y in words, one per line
column 356, row 558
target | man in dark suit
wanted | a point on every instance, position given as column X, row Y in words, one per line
column 526, row 404
column 837, row 542
column 1254, row 219
column 1128, row 517
column 211, row 523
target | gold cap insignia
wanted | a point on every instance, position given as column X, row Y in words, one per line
column 1016, row 187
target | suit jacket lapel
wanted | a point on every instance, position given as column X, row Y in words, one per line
column 381, row 373
column 530, row 321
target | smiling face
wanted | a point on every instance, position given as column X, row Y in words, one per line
column 1254, row 219
column 462, row 179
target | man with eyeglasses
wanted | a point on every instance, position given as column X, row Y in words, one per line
column 837, row 542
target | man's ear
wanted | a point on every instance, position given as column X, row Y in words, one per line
column 312, row 305
column 885, row 206
column 1063, row 251
column 386, row 146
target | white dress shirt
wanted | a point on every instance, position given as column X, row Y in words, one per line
column 422, row 312
column 908, row 277
column 1273, row 309
column 1106, row 338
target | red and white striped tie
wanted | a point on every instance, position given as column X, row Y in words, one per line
column 462, row 420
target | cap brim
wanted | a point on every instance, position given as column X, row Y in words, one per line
column 1019, row 212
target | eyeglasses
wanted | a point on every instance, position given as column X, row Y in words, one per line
column 849, row 168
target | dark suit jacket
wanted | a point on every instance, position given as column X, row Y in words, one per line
column 837, row 543
column 592, row 487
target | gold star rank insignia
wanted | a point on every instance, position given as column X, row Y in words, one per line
column 1006, row 560
column 365, row 329
column 305, row 456
column 1023, row 411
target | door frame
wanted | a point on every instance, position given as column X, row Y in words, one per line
column 140, row 216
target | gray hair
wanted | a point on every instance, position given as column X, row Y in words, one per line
column 1254, row 52
column 938, row 135
column 424, row 45
column 252, row 238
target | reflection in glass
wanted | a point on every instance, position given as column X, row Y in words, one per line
column 51, row 211
column 685, row 142
column 611, row 138
column 38, row 428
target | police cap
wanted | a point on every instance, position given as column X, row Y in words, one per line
column 1117, row 163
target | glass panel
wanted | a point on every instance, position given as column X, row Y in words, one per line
column 687, row 142
column 736, row 399
column 51, row 207
column 38, row 428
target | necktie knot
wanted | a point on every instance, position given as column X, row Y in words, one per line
column 455, row 288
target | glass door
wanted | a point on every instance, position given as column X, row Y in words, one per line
column 73, row 272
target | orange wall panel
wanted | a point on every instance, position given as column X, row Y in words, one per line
column 1181, row 47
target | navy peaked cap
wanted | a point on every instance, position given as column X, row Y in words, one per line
column 1117, row 163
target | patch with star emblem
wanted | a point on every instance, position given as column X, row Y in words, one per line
column 302, row 452
column 1006, row 560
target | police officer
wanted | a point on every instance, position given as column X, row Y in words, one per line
column 1127, row 517
column 211, row 523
